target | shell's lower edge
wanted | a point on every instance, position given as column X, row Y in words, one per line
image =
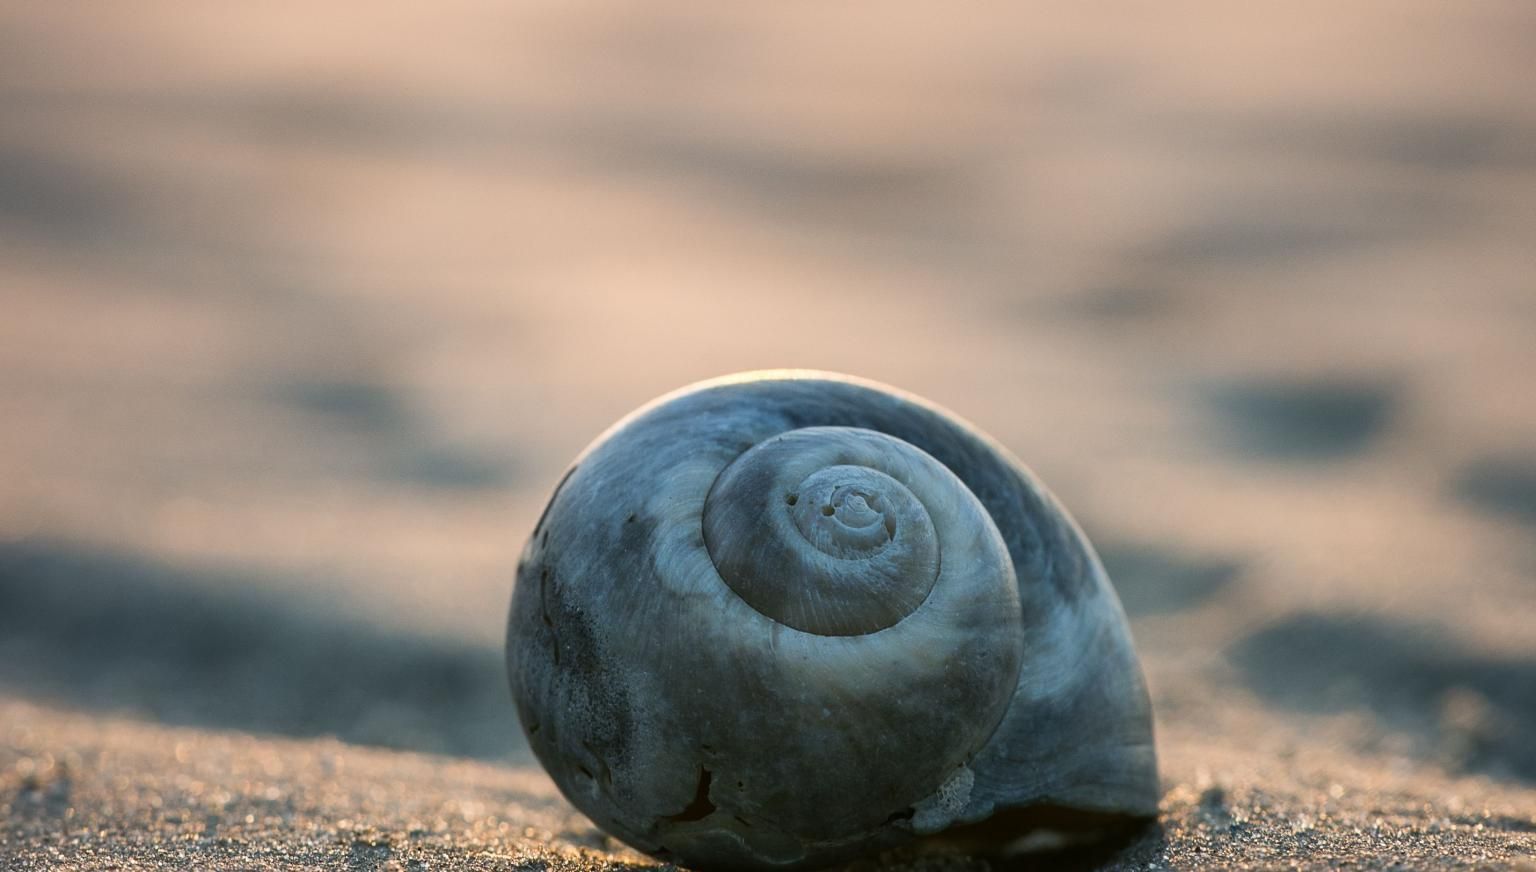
column 1115, row 781
column 1042, row 832
column 687, row 763
column 1103, row 804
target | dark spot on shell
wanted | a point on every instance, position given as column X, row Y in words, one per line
column 637, row 537
column 604, row 772
column 554, row 638
column 587, row 676
column 701, row 807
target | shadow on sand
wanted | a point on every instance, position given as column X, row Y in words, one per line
column 1303, row 421
column 117, row 632
column 1154, row 579
column 1474, row 712
column 1500, row 486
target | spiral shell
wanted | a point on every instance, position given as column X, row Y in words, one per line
column 780, row 619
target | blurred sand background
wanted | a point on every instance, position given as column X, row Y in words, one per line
column 303, row 311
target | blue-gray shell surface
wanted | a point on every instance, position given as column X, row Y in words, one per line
column 782, row 619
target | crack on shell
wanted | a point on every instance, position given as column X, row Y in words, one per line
column 549, row 624
column 701, row 807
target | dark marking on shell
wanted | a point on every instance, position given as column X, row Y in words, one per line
column 701, row 807
column 580, row 675
column 549, row 623
column 604, row 771
column 637, row 534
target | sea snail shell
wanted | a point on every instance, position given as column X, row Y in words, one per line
column 781, row 619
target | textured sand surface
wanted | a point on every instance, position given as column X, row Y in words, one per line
column 82, row 791
column 303, row 313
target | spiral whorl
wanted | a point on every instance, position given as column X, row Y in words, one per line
column 820, row 529
column 779, row 620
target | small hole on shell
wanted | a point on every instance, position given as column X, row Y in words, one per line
column 791, row 499
column 827, row 510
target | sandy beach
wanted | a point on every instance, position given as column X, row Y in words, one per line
column 303, row 314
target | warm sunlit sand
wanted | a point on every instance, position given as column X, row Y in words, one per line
column 302, row 313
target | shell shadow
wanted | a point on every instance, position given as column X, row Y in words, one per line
column 1303, row 421
column 1109, row 841
column 119, row 632
column 1468, row 711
